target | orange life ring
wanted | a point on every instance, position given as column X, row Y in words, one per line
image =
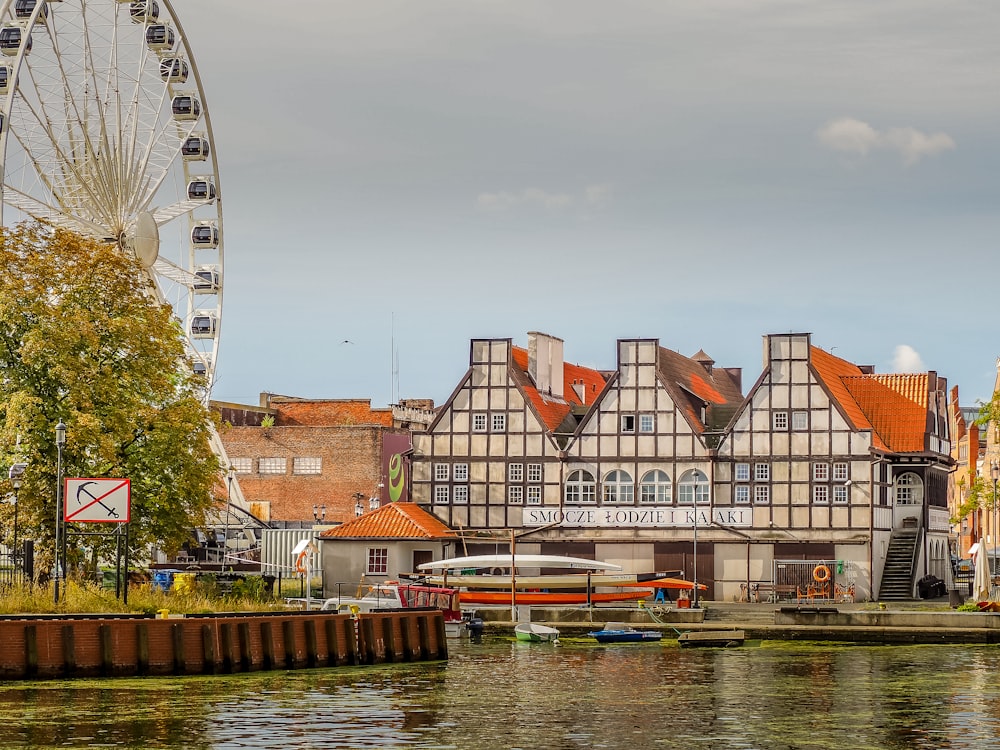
column 299, row 563
column 821, row 574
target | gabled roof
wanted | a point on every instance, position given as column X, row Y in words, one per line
column 893, row 406
column 392, row 521
column 693, row 383
column 554, row 411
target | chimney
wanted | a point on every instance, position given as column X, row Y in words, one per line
column 580, row 388
column 545, row 363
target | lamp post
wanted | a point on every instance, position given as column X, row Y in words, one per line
column 60, row 546
column 319, row 513
column 15, row 475
column 995, row 473
column 359, row 508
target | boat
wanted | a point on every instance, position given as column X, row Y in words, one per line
column 620, row 632
column 393, row 595
column 474, row 596
column 478, row 562
column 535, row 633
column 709, row 638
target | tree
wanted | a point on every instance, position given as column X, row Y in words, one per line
column 84, row 339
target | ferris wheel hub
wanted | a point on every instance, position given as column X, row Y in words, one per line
column 145, row 239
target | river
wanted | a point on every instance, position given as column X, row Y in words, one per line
column 504, row 694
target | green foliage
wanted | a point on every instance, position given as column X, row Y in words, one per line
column 84, row 339
column 968, row 607
column 267, row 421
column 252, row 587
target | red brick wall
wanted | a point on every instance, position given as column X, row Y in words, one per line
column 330, row 413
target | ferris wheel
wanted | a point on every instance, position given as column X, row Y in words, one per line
column 105, row 131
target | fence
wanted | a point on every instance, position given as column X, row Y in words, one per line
column 12, row 569
column 813, row 581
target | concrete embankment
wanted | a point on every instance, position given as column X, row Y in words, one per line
column 852, row 623
column 109, row 646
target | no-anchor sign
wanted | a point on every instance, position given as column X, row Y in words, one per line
column 97, row 500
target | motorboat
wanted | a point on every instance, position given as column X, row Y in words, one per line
column 393, row 595
column 620, row 632
column 535, row 633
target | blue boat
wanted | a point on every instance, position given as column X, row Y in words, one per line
column 620, row 632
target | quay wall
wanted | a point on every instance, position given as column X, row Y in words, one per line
column 59, row 647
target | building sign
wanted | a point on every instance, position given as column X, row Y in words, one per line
column 395, row 468
column 97, row 500
column 637, row 518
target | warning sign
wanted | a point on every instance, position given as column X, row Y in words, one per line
column 97, row 500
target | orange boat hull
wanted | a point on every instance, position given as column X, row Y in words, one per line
column 542, row 597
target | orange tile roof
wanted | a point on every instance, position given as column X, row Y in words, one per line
column 715, row 388
column 893, row 407
column 553, row 411
column 392, row 521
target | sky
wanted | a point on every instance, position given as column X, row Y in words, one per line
column 401, row 176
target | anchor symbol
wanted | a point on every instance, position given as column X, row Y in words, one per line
column 112, row 512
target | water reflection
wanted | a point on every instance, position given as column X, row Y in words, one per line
column 504, row 694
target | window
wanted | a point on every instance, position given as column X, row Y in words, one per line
column 909, row 489
column 742, row 472
column 534, row 495
column 821, row 494
column 460, row 472
column 307, row 465
column 441, row 494
column 655, row 487
column 479, row 422
column 580, row 487
column 440, row 472
column 821, row 472
column 461, row 495
column 692, row 488
column 628, row 423
column 646, row 423
column 779, row 420
column 761, row 494
column 618, row 487
column 499, row 422
column 762, row 472
column 271, row 465
column 515, row 495
column 534, row 472
column 840, row 494
column 515, row 472
column 242, row 465
column 800, row 420
column 378, row 561
column 840, row 472
column 742, row 494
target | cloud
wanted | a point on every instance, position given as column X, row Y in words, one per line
column 907, row 359
column 592, row 195
column 856, row 137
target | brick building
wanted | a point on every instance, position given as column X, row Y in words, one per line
column 303, row 460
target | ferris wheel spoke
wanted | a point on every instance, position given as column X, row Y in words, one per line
column 175, row 273
column 169, row 213
column 38, row 210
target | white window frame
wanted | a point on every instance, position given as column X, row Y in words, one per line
column 655, row 488
column 779, row 421
column 307, row 465
column 909, row 489
column 515, row 472
column 498, row 423
column 534, row 495
column 534, row 473
column 693, row 488
column 821, row 472
column 441, row 472
column 742, row 472
column 647, row 423
column 761, row 494
column 460, row 472
column 272, row 465
column 762, row 472
column 821, row 494
column 840, row 471
column 479, row 422
column 800, row 420
column 581, row 488
column 618, row 488
column 242, row 465
column 628, row 423
column 515, row 494
column 841, row 494
column 741, row 494
column 460, row 494
column 441, row 494
column 377, row 561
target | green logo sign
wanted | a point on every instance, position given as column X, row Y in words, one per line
column 397, row 477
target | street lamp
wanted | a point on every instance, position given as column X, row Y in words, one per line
column 359, row 508
column 60, row 547
column 15, row 475
column 319, row 513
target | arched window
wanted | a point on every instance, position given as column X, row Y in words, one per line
column 655, row 487
column 580, row 487
column 693, row 487
column 909, row 489
column 618, row 487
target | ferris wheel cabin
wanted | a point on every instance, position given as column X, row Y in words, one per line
column 160, row 38
column 174, row 69
column 10, row 40
column 195, row 148
column 203, row 325
column 208, row 280
column 185, row 107
column 24, row 8
column 205, row 235
column 6, row 76
column 144, row 11
column 201, row 189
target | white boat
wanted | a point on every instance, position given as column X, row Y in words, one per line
column 555, row 581
column 533, row 632
column 395, row 596
column 481, row 562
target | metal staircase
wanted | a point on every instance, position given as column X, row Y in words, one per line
column 897, row 575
